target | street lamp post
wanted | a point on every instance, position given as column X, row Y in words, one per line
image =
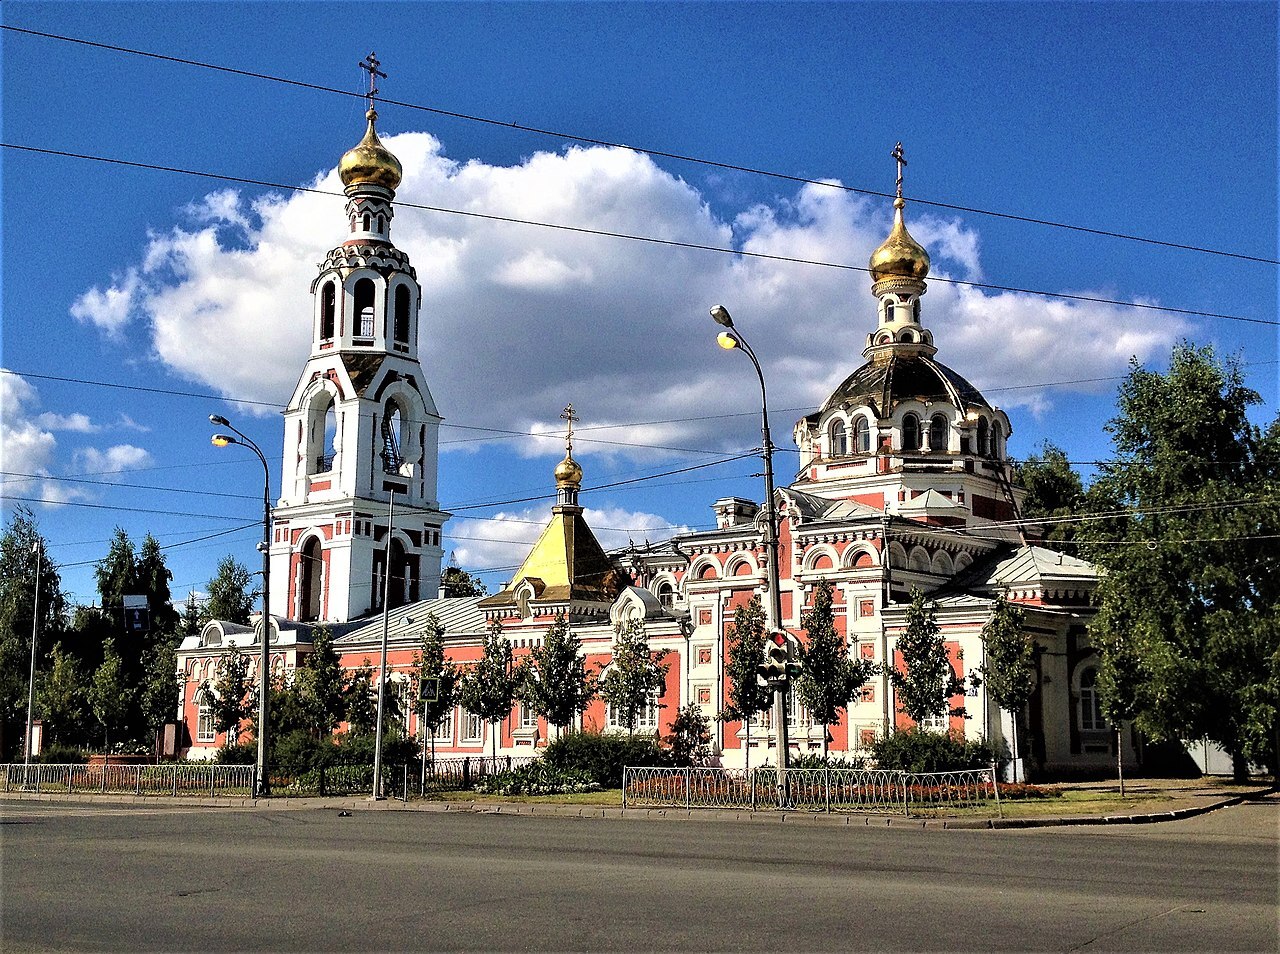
column 31, row 684
column 264, row 658
column 732, row 339
column 382, row 660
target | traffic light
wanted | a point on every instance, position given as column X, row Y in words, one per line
column 772, row 673
column 795, row 657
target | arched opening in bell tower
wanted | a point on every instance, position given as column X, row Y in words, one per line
column 328, row 301
column 311, row 580
column 364, row 295
column 392, row 437
column 322, row 434
column 400, row 331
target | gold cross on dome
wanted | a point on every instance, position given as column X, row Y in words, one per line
column 569, row 417
column 902, row 161
column 370, row 65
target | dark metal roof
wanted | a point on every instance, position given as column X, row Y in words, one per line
column 888, row 381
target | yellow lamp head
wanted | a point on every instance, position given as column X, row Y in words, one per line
column 222, row 440
column 727, row 340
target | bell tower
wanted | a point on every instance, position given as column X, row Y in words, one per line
column 361, row 430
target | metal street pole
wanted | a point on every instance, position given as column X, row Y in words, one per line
column 729, row 340
column 382, row 662
column 31, row 683
column 264, row 657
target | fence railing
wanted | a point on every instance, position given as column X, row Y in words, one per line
column 457, row 775
column 867, row 791
column 176, row 779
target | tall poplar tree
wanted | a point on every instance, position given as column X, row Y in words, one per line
column 488, row 688
column 831, row 676
column 744, row 655
column 1009, row 665
column 636, row 674
column 432, row 669
column 556, row 684
column 926, row 681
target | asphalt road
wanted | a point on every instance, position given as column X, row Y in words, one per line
column 100, row 877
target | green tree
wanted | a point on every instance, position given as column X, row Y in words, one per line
column 1009, row 662
column 154, row 577
column 320, row 686
column 231, row 698
column 231, row 593
column 18, row 598
column 192, row 620
column 432, row 669
column 117, row 573
column 830, row 677
column 160, row 688
column 60, row 698
column 636, row 676
column 690, row 737
column 362, row 701
column 557, row 685
column 109, row 694
column 488, row 688
column 1055, row 492
column 745, row 652
column 926, row 681
column 1186, row 625
column 455, row 581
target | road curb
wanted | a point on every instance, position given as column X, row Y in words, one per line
column 789, row 818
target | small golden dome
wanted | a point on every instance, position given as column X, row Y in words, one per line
column 568, row 472
column 900, row 256
column 369, row 161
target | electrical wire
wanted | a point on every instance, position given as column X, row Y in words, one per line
column 662, row 154
column 646, row 239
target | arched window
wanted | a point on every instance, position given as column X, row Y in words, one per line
column 364, row 293
column 366, row 221
column 888, row 309
column 330, row 446
column 938, row 432
column 861, row 436
column 915, row 310
column 380, row 225
column 997, row 435
column 1091, row 719
column 401, row 329
column 839, row 440
column 910, row 432
column 327, row 310
column 312, row 577
column 322, row 434
column 984, row 437
column 666, row 594
column 392, row 434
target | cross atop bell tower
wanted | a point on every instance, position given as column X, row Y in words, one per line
column 370, row 65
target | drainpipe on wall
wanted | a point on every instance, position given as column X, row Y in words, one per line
column 885, row 661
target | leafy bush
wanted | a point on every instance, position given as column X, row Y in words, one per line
column 242, row 753
column 811, row 760
column 690, row 736
column 915, row 750
column 356, row 748
column 603, row 757
column 537, row 778
column 299, row 751
column 58, row 754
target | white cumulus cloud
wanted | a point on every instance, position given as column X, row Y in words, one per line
column 518, row 321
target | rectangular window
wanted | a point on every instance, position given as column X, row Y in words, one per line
column 528, row 717
column 204, row 725
column 473, row 728
column 866, row 608
column 646, row 716
column 444, row 731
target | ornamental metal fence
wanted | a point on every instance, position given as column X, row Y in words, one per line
column 434, row 776
column 173, row 779
column 864, row 791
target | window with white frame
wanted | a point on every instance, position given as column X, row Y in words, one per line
column 1091, row 718
column 646, row 715
column 798, row 713
column 935, row 723
column 444, row 731
column 204, row 721
column 472, row 727
column 528, row 717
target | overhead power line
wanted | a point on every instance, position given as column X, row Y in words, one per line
column 632, row 237
column 659, row 153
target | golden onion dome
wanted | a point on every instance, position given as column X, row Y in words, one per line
column 568, row 472
column 900, row 256
column 369, row 161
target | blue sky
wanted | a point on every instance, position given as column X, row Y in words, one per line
column 1155, row 119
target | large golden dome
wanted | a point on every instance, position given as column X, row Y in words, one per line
column 568, row 472
column 900, row 256
column 369, row 161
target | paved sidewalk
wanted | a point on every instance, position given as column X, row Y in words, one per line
column 1177, row 798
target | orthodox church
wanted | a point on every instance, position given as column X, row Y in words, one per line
column 904, row 482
